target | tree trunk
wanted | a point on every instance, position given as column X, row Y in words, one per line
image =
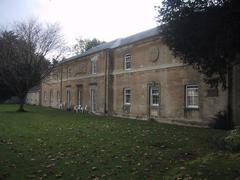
column 21, row 104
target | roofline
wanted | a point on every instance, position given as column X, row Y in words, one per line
column 72, row 58
column 88, row 54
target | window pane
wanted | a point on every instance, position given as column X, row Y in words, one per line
column 154, row 96
column 155, row 99
column 127, row 96
column 94, row 67
column 127, row 61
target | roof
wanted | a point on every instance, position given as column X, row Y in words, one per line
column 117, row 43
column 34, row 88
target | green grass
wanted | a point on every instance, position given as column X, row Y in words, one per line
column 45, row 143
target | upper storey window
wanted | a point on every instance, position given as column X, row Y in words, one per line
column 69, row 72
column 127, row 61
column 94, row 66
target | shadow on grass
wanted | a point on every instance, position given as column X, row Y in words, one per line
column 17, row 112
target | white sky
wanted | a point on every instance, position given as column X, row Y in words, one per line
column 102, row 19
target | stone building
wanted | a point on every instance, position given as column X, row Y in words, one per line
column 33, row 96
column 135, row 77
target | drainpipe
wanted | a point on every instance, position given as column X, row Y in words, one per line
column 61, row 75
column 106, row 84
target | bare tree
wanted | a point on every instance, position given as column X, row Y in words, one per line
column 23, row 52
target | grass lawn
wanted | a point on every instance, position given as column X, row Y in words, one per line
column 44, row 143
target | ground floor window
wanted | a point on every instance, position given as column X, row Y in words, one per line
column 154, row 96
column 127, row 96
column 192, row 96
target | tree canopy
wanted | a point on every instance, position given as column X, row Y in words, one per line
column 203, row 33
column 83, row 45
column 23, row 52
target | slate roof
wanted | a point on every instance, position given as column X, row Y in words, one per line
column 117, row 43
column 35, row 88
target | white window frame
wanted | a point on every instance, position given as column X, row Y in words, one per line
column 127, row 59
column 125, row 94
column 94, row 67
column 192, row 87
column 154, row 94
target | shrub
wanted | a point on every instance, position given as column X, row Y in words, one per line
column 232, row 141
column 220, row 121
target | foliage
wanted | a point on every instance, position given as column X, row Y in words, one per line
column 5, row 93
column 23, row 52
column 220, row 121
column 203, row 33
column 232, row 140
column 48, row 144
column 83, row 45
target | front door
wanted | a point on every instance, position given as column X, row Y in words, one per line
column 154, row 100
column 93, row 100
column 68, row 98
column 78, row 96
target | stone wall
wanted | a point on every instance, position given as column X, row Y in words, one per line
column 33, row 98
column 75, row 76
column 171, row 76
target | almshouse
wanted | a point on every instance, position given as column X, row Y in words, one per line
column 136, row 77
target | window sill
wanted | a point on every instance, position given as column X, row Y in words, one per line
column 192, row 108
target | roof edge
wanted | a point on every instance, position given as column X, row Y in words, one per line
column 116, row 43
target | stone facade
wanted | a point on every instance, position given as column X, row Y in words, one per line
column 136, row 77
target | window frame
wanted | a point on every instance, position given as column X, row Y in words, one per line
column 154, row 94
column 127, row 59
column 192, row 87
column 125, row 94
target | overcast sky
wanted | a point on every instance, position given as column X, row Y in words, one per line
column 103, row 19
